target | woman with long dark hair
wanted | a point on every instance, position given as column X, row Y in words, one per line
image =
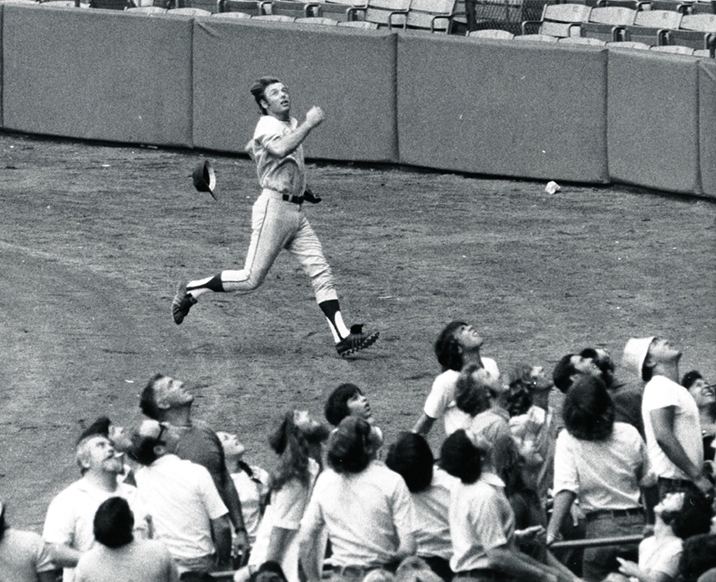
column 291, row 485
column 603, row 464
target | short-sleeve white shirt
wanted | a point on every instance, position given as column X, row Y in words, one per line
column 285, row 511
column 251, row 490
column 432, row 529
column 286, row 175
column 366, row 514
column 182, row 499
column 661, row 392
column 661, row 555
column 440, row 402
column 481, row 519
column 603, row 474
column 70, row 516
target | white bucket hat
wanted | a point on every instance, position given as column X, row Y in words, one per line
column 635, row 352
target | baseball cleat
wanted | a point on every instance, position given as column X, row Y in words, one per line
column 355, row 341
column 181, row 304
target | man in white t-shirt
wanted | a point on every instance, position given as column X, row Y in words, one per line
column 277, row 219
column 671, row 417
column 68, row 523
column 188, row 515
column 458, row 344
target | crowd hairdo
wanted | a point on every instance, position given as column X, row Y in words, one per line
column 142, row 449
column 289, row 443
column 563, row 372
column 693, row 518
column 697, row 556
column 410, row 456
column 688, row 379
column 461, row 458
column 470, row 395
column 113, row 523
column 258, row 90
column 336, row 408
column 350, row 446
column 588, row 410
column 519, row 394
column 148, row 399
column 447, row 347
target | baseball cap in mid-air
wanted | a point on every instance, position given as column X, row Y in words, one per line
column 204, row 178
column 635, row 352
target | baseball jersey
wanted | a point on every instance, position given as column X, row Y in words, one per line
column 286, row 175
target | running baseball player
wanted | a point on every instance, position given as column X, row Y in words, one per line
column 277, row 217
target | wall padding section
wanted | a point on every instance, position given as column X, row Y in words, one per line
column 350, row 74
column 508, row 109
column 707, row 125
column 97, row 74
column 652, row 113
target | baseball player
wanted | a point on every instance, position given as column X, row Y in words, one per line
column 277, row 217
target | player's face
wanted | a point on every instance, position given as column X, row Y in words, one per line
column 468, row 337
column 703, row 394
column 277, row 100
column 359, row 406
column 170, row 392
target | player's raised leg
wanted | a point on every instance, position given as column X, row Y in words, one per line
column 307, row 250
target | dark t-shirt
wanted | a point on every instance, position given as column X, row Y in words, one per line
column 199, row 444
column 627, row 404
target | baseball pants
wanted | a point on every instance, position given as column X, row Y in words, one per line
column 277, row 224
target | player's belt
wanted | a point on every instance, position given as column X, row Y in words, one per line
column 293, row 199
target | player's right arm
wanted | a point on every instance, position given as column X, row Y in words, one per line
column 287, row 144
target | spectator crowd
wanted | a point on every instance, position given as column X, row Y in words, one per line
column 586, row 472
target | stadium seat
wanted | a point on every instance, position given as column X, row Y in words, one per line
column 336, row 9
column 705, row 53
column 64, row 4
column 111, row 4
column 673, row 5
column 149, row 10
column 208, row 5
column 493, row 33
column 651, row 26
column 319, row 20
column 676, row 49
column 606, row 22
column 293, row 8
column 384, row 13
column 557, row 20
column 188, row 11
column 430, row 15
column 537, row 37
column 248, row 6
column 358, row 24
column 703, row 7
column 586, row 40
column 232, row 15
column 629, row 44
column 695, row 30
column 274, row 18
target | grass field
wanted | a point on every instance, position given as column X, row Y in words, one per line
column 94, row 238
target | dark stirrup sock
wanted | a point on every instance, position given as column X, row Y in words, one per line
column 213, row 284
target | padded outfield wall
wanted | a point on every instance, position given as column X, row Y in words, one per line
column 580, row 114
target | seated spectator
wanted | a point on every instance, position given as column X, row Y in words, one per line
column 24, row 557
column 697, row 557
column 705, row 398
column 457, row 345
column 410, row 456
column 678, row 517
column 349, row 400
column 291, row 485
column 482, row 524
column 364, row 506
column 252, row 482
column 602, row 464
column 118, row 556
column 269, row 572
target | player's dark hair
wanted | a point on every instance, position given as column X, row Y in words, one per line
column 410, row 456
column 562, row 373
column 447, row 347
column 148, row 399
column 336, row 408
column 258, row 90
column 588, row 410
column 693, row 518
column 113, row 523
column 687, row 381
column 461, row 458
